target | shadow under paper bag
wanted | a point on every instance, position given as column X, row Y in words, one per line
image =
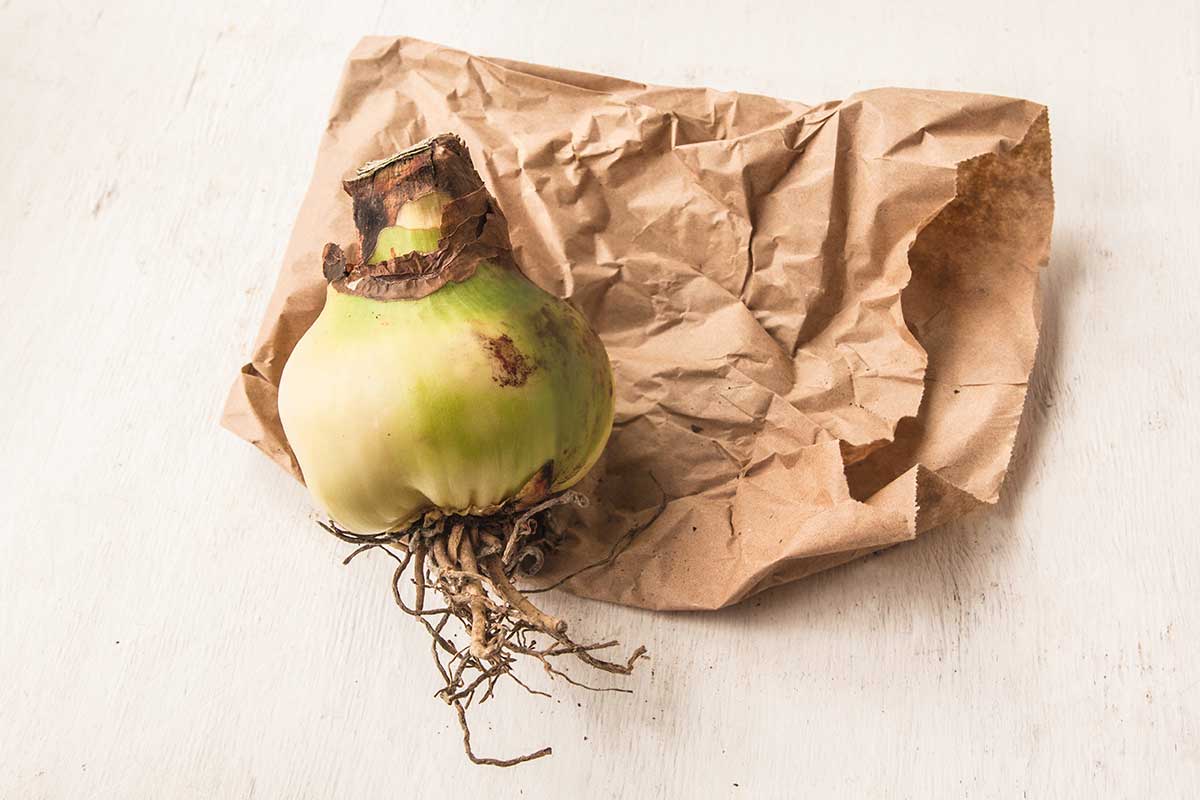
column 822, row 319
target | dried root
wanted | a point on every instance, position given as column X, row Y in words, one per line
column 470, row 562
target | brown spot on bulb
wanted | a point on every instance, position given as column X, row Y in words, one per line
column 510, row 367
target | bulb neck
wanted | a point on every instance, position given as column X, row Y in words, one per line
column 418, row 229
column 424, row 218
column 438, row 168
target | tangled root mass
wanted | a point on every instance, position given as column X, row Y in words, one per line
column 470, row 563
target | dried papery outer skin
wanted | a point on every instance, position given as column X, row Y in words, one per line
column 472, row 227
column 483, row 392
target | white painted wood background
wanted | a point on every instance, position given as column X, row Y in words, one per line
column 172, row 624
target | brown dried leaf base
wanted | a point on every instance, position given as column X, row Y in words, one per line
column 470, row 561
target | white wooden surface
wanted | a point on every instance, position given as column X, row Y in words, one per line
column 173, row 625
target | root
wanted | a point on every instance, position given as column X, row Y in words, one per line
column 494, row 569
column 470, row 562
column 470, row 574
column 492, row 762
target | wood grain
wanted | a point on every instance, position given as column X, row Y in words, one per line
column 172, row 623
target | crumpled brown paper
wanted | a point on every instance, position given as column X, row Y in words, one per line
column 822, row 318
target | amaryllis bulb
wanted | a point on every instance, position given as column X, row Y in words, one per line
column 437, row 376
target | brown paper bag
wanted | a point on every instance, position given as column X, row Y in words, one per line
column 821, row 318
